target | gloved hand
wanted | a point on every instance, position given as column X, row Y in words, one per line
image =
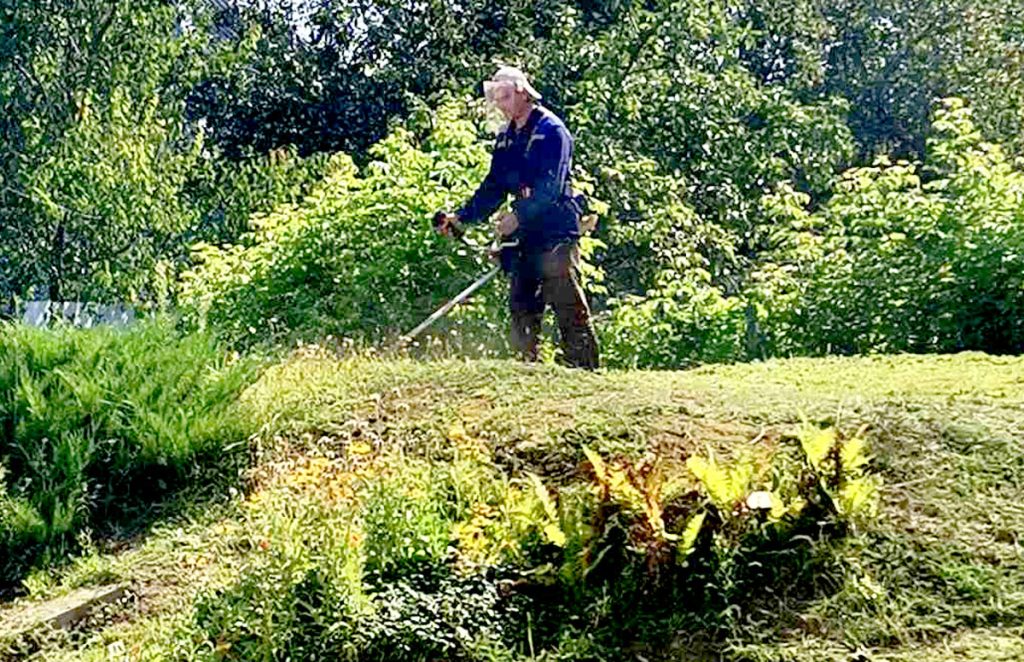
column 448, row 224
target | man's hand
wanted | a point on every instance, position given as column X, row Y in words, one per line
column 507, row 224
column 446, row 224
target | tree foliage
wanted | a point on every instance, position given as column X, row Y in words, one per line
column 358, row 257
column 705, row 133
column 98, row 152
column 100, row 167
column 919, row 256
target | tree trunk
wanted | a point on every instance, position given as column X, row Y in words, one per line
column 57, row 263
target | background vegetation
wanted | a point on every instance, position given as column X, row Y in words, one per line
column 758, row 166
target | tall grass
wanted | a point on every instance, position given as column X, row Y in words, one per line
column 98, row 423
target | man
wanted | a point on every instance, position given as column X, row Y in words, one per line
column 532, row 160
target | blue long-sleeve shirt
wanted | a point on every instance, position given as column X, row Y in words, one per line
column 533, row 164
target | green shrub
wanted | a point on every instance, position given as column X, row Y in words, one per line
column 678, row 326
column 918, row 257
column 98, row 423
column 358, row 257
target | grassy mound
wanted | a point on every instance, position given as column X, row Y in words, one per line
column 401, row 510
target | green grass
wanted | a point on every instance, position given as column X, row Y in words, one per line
column 939, row 575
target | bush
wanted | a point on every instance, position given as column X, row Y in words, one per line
column 676, row 326
column 905, row 257
column 919, row 257
column 97, row 423
column 358, row 258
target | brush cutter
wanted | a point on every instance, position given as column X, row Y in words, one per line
column 496, row 250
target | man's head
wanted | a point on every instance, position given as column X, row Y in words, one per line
column 510, row 91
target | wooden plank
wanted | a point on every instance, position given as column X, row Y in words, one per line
column 62, row 612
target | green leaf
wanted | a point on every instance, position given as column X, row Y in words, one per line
column 689, row 536
column 816, row 444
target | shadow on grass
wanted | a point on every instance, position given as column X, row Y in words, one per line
column 154, row 495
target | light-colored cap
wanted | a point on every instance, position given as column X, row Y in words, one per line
column 513, row 75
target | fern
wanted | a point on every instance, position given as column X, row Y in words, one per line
column 600, row 470
column 725, row 486
column 552, row 531
column 852, row 493
column 816, row 444
column 689, row 537
column 858, row 498
column 853, row 455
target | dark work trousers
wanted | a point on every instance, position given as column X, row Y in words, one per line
column 552, row 278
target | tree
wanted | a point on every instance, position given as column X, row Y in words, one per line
column 96, row 152
column 329, row 75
